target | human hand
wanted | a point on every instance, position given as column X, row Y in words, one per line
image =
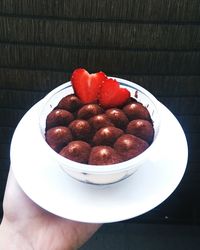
column 27, row 226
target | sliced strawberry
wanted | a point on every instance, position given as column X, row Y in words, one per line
column 87, row 86
column 112, row 95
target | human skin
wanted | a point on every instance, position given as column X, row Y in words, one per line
column 26, row 226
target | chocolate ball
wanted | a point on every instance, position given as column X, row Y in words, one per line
column 89, row 110
column 136, row 111
column 80, row 129
column 107, row 136
column 142, row 129
column 129, row 146
column 103, row 155
column 58, row 137
column 78, row 151
column 130, row 100
column 99, row 121
column 58, row 117
column 117, row 117
column 70, row 102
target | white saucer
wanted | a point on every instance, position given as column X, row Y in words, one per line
column 48, row 186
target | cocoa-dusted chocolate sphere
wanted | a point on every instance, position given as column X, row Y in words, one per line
column 103, row 155
column 142, row 129
column 58, row 117
column 78, row 151
column 130, row 100
column 58, row 137
column 99, row 121
column 136, row 111
column 89, row 110
column 80, row 129
column 70, row 102
column 116, row 134
column 117, row 117
column 129, row 146
column 107, row 136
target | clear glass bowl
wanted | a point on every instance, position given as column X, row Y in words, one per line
column 101, row 174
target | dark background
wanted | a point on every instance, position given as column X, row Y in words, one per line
column 155, row 43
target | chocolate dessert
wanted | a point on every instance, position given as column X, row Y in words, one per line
column 99, row 128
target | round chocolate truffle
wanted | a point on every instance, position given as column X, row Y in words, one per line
column 129, row 146
column 58, row 117
column 78, row 151
column 80, row 129
column 99, row 121
column 70, row 102
column 58, row 137
column 107, row 136
column 103, row 155
column 89, row 110
column 142, row 129
column 117, row 117
column 130, row 100
column 136, row 111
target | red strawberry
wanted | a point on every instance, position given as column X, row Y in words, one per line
column 112, row 95
column 87, row 86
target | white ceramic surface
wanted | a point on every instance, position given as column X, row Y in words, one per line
column 52, row 189
column 102, row 174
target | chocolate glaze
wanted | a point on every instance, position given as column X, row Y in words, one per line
column 103, row 155
column 80, row 129
column 107, row 136
column 117, row 117
column 59, row 117
column 136, row 111
column 70, row 102
column 142, row 129
column 99, row 121
column 78, row 151
column 58, row 137
column 129, row 146
column 89, row 110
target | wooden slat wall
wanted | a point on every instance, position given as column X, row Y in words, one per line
column 155, row 43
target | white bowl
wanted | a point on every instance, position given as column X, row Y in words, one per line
column 102, row 174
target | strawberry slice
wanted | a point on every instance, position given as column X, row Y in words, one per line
column 112, row 95
column 87, row 86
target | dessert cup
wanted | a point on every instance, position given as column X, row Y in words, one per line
column 102, row 174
